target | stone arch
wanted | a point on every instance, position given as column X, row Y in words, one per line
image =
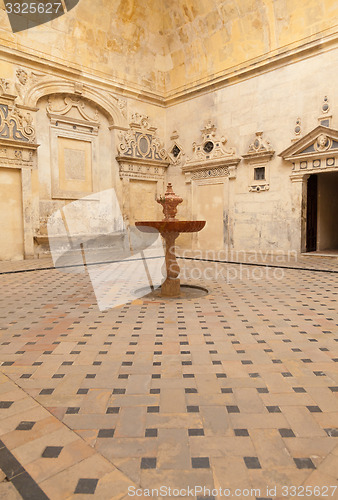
column 112, row 107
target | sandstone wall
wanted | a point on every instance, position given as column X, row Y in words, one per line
column 266, row 220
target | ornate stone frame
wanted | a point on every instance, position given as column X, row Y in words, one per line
column 141, row 156
column 18, row 151
column 314, row 153
column 210, row 159
column 259, row 155
column 85, row 128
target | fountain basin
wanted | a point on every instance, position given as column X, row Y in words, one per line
column 169, row 230
column 173, row 226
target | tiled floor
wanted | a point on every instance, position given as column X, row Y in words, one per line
column 234, row 390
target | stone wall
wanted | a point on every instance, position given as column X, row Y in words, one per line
column 268, row 220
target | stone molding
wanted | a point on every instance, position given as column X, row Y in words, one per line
column 31, row 86
column 259, row 155
column 18, row 151
column 259, row 150
column 141, row 154
column 175, row 151
column 314, row 153
column 210, row 155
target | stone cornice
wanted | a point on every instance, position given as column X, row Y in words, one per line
column 312, row 46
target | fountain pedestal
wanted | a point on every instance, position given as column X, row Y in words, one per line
column 171, row 286
column 170, row 228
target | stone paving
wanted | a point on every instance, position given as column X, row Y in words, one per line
column 233, row 390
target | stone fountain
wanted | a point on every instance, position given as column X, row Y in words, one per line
column 170, row 228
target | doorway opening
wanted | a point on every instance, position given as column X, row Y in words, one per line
column 322, row 213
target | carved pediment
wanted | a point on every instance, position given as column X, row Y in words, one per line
column 260, row 149
column 141, row 154
column 140, row 142
column 72, row 111
column 316, row 152
column 321, row 141
column 211, row 152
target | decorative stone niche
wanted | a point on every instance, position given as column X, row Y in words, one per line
column 258, row 157
column 73, row 148
column 143, row 162
column 18, row 158
column 210, row 157
column 141, row 154
column 175, row 150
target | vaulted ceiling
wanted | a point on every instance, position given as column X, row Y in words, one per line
column 167, row 46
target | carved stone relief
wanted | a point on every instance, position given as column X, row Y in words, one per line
column 17, row 151
column 210, row 153
column 316, row 152
column 141, row 153
column 16, row 124
column 258, row 157
column 175, row 150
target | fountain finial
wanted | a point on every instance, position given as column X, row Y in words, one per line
column 169, row 203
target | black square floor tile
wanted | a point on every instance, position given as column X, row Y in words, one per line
column 148, row 463
column 86, row 486
column 193, row 409
column 304, row 463
column 25, row 426
column 195, row 432
column 190, row 390
column 333, row 432
column 252, row 463
column 113, row 409
column 52, row 451
column 6, row 404
column 286, row 433
column 262, row 390
column 153, row 409
column 45, row 392
column 72, row 410
column 273, row 409
column 119, row 391
column 299, row 389
column 314, row 409
column 232, row 409
column 241, row 432
column 151, row 433
column 226, row 390
column 106, row 433
column 82, row 391
column 200, row 463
